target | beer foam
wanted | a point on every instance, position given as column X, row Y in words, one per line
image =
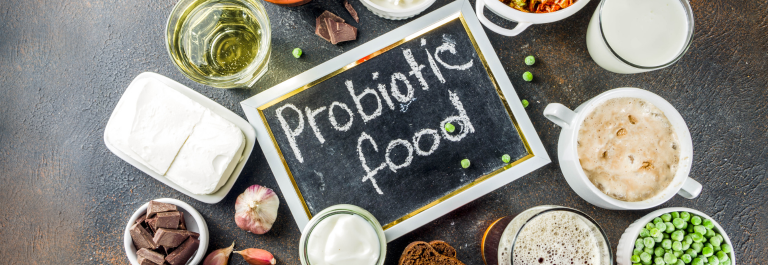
column 560, row 237
column 628, row 149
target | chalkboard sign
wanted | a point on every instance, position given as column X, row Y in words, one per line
column 388, row 131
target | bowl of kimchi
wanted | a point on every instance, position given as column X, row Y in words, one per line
column 526, row 12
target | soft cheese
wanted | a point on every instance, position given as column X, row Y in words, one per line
column 175, row 136
column 212, row 151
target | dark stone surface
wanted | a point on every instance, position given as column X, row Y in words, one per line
column 64, row 198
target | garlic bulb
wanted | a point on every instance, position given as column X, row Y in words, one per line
column 256, row 209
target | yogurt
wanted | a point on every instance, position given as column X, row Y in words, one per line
column 343, row 239
column 397, row 4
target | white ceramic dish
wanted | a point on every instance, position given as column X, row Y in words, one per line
column 523, row 19
column 192, row 218
column 627, row 241
column 248, row 132
column 397, row 14
column 571, row 121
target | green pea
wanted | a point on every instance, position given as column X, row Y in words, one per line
column 505, row 158
column 645, row 257
column 530, row 60
column 680, row 262
column 677, row 254
column 670, row 258
column 528, row 76
column 649, row 242
column 721, row 256
column 716, row 248
column 525, row 103
column 649, row 226
column 465, row 163
column 726, row 248
column 696, row 220
column 659, row 252
column 656, row 222
column 685, row 225
column 697, row 246
column 686, row 258
column 691, row 252
column 686, row 245
column 675, row 215
column 713, row 260
column 700, row 229
column 636, row 264
column 708, row 224
column 707, row 251
column 666, row 244
column 715, row 241
column 689, row 229
column 659, row 238
column 666, row 236
column 678, row 223
column 449, row 127
column 697, row 237
column 639, row 243
column 648, row 250
column 710, row 233
column 654, row 232
column 670, row 227
column 637, row 251
column 677, row 246
column 708, row 245
column 296, row 52
column 659, row 261
column 697, row 261
column 666, row 217
column 686, row 216
column 644, row 232
column 635, row 258
column 660, row 225
column 678, row 235
column 725, row 262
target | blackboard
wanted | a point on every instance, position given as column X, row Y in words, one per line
column 365, row 134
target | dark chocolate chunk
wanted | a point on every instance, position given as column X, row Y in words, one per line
column 340, row 32
column 159, row 207
column 141, row 219
column 185, row 251
column 321, row 29
column 143, row 261
column 168, row 220
column 155, row 257
column 351, row 11
column 182, row 223
column 152, row 224
column 170, row 237
column 141, row 238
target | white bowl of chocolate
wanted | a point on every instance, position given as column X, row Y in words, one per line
column 166, row 231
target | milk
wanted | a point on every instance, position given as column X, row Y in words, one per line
column 647, row 33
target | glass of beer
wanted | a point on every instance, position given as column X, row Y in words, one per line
column 546, row 234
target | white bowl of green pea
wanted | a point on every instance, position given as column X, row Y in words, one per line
column 688, row 237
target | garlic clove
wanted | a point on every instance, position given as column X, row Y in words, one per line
column 219, row 256
column 255, row 256
column 256, row 209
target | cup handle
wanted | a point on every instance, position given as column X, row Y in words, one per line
column 521, row 26
column 691, row 189
column 561, row 115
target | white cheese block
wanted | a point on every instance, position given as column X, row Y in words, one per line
column 209, row 156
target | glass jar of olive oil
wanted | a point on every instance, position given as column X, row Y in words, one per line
column 221, row 43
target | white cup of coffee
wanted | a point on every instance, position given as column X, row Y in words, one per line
column 571, row 123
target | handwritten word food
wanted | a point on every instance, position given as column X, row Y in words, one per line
column 219, row 256
column 161, row 236
column 256, row 209
column 332, row 28
column 433, row 253
column 295, row 121
column 174, row 136
column 255, row 256
column 681, row 237
column 343, row 239
column 538, row 6
column 628, row 149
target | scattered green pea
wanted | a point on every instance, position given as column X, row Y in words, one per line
column 528, row 76
column 696, row 220
column 296, row 52
column 525, row 102
column 449, row 127
column 530, row 60
column 505, row 158
column 465, row 163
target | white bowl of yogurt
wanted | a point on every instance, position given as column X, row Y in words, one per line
column 397, row 9
column 343, row 234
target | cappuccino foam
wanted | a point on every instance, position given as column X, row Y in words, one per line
column 560, row 237
column 628, row 149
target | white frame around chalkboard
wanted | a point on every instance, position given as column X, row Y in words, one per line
column 460, row 9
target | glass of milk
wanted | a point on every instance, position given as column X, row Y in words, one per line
column 635, row 36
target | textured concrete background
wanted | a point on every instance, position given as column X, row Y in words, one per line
column 64, row 198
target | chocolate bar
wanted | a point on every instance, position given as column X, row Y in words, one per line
column 143, row 261
column 168, row 220
column 321, row 29
column 351, row 11
column 141, row 238
column 185, row 251
column 150, row 255
column 182, row 223
column 340, row 32
column 159, row 207
column 170, row 237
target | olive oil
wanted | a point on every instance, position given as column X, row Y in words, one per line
column 221, row 38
